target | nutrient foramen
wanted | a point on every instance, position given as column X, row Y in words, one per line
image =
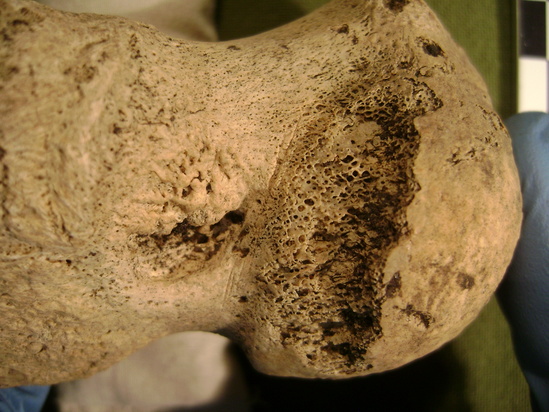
column 337, row 195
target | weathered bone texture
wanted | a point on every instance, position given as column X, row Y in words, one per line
column 182, row 370
column 337, row 195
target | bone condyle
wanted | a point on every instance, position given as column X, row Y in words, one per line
column 337, row 195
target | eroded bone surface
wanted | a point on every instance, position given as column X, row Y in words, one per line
column 337, row 195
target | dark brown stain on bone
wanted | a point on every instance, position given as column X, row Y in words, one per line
column 432, row 49
column 393, row 286
column 345, row 350
column 396, row 5
column 425, row 318
column 201, row 242
column 343, row 29
column 349, row 209
column 465, row 281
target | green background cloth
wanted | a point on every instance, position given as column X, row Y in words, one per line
column 477, row 371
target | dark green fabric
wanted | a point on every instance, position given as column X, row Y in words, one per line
column 477, row 372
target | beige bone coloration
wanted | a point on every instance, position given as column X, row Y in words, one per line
column 336, row 195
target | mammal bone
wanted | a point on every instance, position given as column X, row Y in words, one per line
column 336, row 195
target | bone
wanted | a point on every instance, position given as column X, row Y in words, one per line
column 337, row 196
column 182, row 370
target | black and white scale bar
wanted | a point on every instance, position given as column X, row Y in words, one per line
column 533, row 55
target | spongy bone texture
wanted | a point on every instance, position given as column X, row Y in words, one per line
column 337, row 195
